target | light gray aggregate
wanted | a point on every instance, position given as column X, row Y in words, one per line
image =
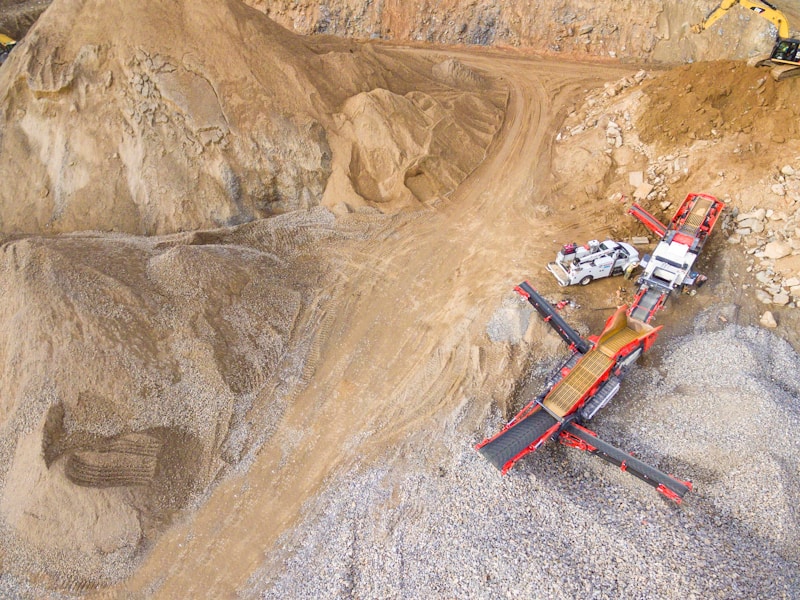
column 721, row 409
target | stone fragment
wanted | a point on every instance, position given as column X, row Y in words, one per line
column 781, row 298
column 792, row 282
column 778, row 189
column 666, row 204
column 754, row 225
column 643, row 241
column 642, row 191
column 759, row 214
column 763, row 297
column 776, row 250
column 768, row 320
column 787, row 170
column 636, row 178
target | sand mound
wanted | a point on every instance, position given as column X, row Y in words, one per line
column 186, row 115
column 133, row 371
column 431, row 146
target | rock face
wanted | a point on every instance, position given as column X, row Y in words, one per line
column 652, row 29
column 147, row 127
column 657, row 30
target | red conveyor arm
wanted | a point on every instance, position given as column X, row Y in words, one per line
column 648, row 220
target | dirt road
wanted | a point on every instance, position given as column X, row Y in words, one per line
column 404, row 336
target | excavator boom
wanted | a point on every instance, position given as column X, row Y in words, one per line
column 769, row 11
column 6, row 45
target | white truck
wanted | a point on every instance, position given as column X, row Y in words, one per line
column 594, row 260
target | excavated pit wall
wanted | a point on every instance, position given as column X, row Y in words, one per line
column 657, row 30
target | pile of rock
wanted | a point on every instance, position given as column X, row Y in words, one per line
column 596, row 106
column 604, row 109
column 772, row 239
column 654, row 183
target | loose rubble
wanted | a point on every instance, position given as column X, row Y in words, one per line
column 771, row 240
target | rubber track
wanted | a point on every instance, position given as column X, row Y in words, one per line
column 515, row 439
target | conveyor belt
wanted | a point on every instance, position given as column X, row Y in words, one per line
column 643, row 310
column 514, row 440
column 629, row 464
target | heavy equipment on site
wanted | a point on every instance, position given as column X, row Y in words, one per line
column 670, row 267
column 592, row 375
column 6, row 46
column 574, row 393
column 783, row 60
column 594, row 260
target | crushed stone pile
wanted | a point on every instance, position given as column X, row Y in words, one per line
column 563, row 524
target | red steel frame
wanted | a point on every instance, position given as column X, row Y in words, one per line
column 654, row 225
column 645, row 342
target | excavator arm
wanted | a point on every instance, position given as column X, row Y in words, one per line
column 769, row 11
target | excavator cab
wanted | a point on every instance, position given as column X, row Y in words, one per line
column 785, row 51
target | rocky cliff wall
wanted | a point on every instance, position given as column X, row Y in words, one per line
column 645, row 30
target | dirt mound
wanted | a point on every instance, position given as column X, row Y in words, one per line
column 431, row 143
column 707, row 100
column 160, row 124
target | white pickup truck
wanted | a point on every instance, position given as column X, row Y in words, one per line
column 594, row 260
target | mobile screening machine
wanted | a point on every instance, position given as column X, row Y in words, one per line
column 592, row 375
column 575, row 392
column 594, row 260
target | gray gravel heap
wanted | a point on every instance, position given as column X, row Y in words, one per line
column 722, row 409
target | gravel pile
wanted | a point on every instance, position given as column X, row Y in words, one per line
column 721, row 409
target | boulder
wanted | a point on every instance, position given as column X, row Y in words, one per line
column 777, row 249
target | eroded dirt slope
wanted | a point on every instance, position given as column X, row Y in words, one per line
column 158, row 124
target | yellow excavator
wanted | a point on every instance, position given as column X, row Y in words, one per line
column 6, row 45
column 784, row 60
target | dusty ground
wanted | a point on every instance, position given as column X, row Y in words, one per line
column 198, row 413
